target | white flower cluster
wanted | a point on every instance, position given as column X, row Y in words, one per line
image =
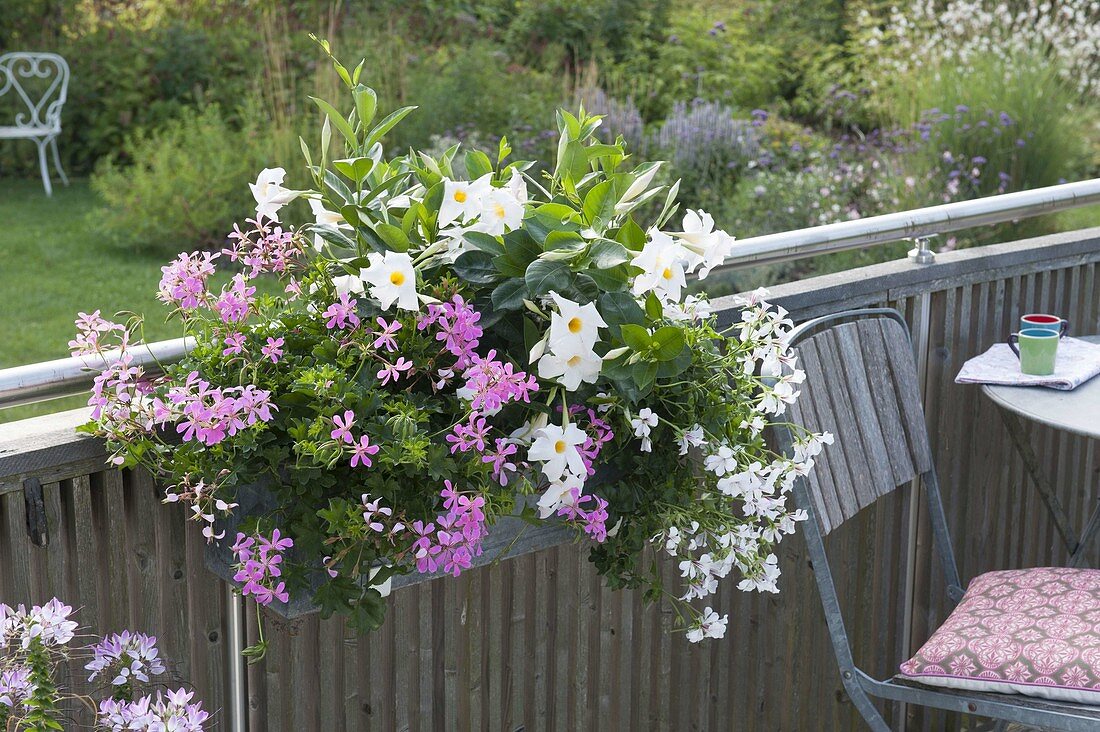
column 48, row 624
column 479, row 206
column 667, row 258
column 1066, row 30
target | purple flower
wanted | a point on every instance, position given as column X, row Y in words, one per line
column 341, row 313
column 15, row 687
column 273, row 349
column 235, row 303
column 362, row 451
column 343, row 427
column 384, row 337
column 393, row 371
column 234, row 343
column 257, row 560
column 499, row 459
column 125, row 656
column 183, row 283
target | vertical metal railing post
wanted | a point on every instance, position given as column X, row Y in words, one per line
column 238, row 701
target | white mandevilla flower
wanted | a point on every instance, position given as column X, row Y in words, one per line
column 556, row 448
column 642, row 425
column 570, row 365
column 348, row 284
column 707, row 247
column 710, row 625
column 463, row 200
column 662, row 260
column 502, row 208
column 574, row 323
column 392, row 280
column 269, row 192
column 558, row 493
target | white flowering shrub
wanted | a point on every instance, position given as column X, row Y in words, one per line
column 1067, row 32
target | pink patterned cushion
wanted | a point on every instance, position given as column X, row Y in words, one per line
column 1023, row 631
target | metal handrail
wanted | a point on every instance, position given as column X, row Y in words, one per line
column 37, row 382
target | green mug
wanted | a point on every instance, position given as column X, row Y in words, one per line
column 1036, row 348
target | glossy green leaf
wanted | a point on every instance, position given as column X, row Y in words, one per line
column 543, row 276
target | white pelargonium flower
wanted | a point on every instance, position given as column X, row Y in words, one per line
column 662, row 260
column 693, row 437
column 708, row 626
column 642, row 425
column 556, row 448
column 269, row 193
column 570, row 365
column 392, row 279
column 574, row 326
column 462, row 199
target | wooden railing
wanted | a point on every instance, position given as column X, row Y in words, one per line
column 537, row 642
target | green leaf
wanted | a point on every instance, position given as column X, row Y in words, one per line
column 484, row 242
column 366, row 102
column 618, row 308
column 637, row 337
column 610, row 280
column 572, row 161
column 653, row 307
column 564, row 240
column 631, row 236
column 599, row 205
column 385, row 126
column 510, row 294
column 503, row 150
column 540, row 225
column 606, row 254
column 356, row 169
column 337, row 119
column 519, row 251
column 395, row 238
column 676, row 366
column 668, row 342
column 477, row 164
column 644, row 372
column 543, row 276
column 476, row 267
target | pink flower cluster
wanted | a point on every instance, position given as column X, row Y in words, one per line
column 236, row 301
column 599, row 434
column 183, row 283
column 90, row 330
column 172, row 710
column 258, row 559
column 594, row 521
column 264, row 248
column 341, row 314
column 361, row 449
column 456, row 326
column 454, row 539
column 208, row 413
column 490, row 383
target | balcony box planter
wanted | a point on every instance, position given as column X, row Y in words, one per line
column 509, row 537
column 449, row 332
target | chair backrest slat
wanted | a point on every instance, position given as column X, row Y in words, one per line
column 850, row 352
column 861, row 385
column 826, row 505
column 38, row 83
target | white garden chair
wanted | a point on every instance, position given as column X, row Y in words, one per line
column 38, row 83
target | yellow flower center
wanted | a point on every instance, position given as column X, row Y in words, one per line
column 559, row 446
column 574, row 361
column 397, row 278
column 575, row 325
column 667, row 274
column 460, row 196
column 498, row 210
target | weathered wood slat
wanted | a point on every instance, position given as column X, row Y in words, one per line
column 818, row 414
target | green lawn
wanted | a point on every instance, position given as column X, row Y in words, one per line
column 51, row 266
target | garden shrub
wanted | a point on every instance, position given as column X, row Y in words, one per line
column 185, row 184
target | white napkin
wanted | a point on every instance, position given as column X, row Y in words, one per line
column 1077, row 362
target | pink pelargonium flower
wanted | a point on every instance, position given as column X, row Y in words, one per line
column 361, row 452
column 342, row 433
column 341, row 313
column 234, row 344
column 274, row 349
column 384, row 338
column 394, row 371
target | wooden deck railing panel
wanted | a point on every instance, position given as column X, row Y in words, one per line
column 537, row 642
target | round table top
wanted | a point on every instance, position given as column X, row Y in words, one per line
column 1076, row 411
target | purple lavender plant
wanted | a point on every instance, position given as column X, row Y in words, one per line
column 706, row 144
